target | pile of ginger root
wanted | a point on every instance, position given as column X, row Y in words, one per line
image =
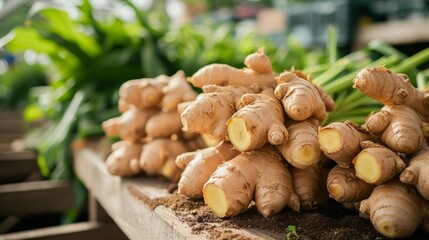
column 149, row 127
column 253, row 138
column 382, row 166
column 266, row 151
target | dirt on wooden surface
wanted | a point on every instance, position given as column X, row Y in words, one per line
column 327, row 223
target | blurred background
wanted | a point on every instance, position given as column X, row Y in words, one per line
column 62, row 62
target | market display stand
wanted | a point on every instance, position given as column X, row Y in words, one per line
column 24, row 194
column 127, row 201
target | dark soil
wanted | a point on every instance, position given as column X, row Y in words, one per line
column 328, row 223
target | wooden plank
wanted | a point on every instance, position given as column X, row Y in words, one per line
column 11, row 126
column 7, row 115
column 9, row 137
column 125, row 200
column 85, row 230
column 394, row 32
column 18, row 155
column 36, row 197
column 16, row 166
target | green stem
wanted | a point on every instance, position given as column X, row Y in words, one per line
column 332, row 72
column 385, row 49
column 422, row 81
column 332, row 44
column 412, row 62
column 347, row 81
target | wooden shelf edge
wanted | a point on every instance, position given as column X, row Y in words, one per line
column 127, row 201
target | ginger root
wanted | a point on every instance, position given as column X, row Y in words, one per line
column 392, row 89
column 417, row 172
column 209, row 113
column 199, row 165
column 341, row 141
column 124, row 159
column 142, row 93
column 345, row 187
column 177, row 91
column 301, row 99
column 376, row 164
column 163, row 124
column 259, row 120
column 130, row 126
column 394, row 208
column 307, row 187
column 260, row 175
column 223, row 74
column 302, row 150
column 158, row 158
column 399, row 127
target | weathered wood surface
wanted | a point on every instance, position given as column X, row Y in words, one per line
column 36, row 197
column 17, row 165
column 124, row 200
column 85, row 230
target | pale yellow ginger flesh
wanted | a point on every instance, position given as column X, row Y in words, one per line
column 341, row 141
column 367, row 167
column 306, row 153
column 259, row 120
column 209, row 113
column 377, row 164
column 217, row 201
column 302, row 149
column 239, row 134
column 330, row 140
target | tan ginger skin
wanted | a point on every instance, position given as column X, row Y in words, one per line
column 143, row 93
column 124, row 159
column 392, row 89
column 306, row 186
column 260, row 175
column 163, row 124
column 209, row 113
column 399, row 127
column 395, row 209
column 199, row 165
column 301, row 99
column 158, row 158
column 340, row 141
column 302, row 149
column 258, row 121
column 178, row 90
column 345, row 187
column 223, row 74
column 417, row 172
column 377, row 164
column 130, row 126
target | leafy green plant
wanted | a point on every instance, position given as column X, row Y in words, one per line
column 291, row 233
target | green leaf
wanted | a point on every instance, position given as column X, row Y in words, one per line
column 33, row 112
column 55, row 140
column 151, row 64
column 58, row 22
column 28, row 38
